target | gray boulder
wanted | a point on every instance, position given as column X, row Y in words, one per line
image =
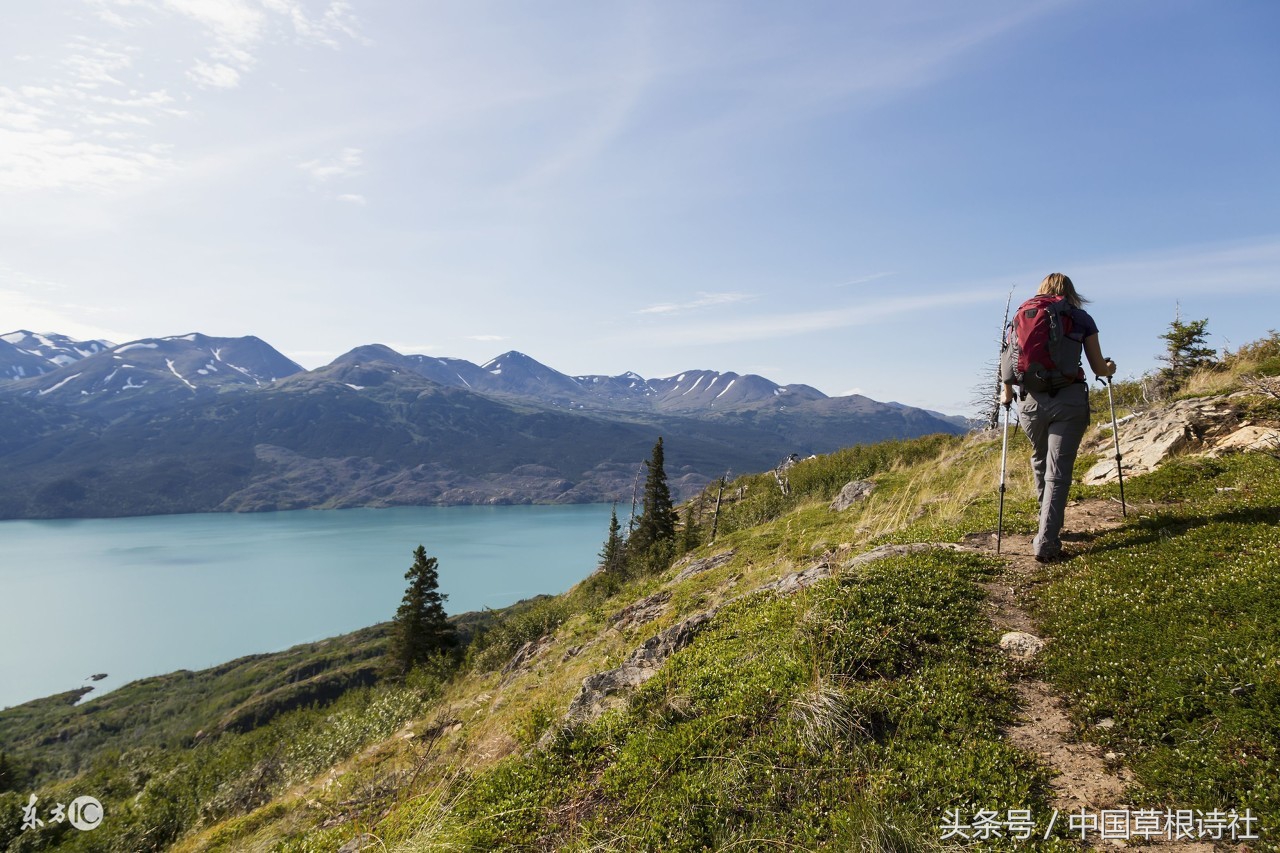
column 852, row 493
column 1020, row 645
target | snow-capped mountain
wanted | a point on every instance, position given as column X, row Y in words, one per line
column 451, row 372
column 514, row 374
column 181, row 366
column 193, row 423
column 710, row 389
column 25, row 354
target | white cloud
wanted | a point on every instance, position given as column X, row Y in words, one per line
column 22, row 308
column 239, row 27
column 337, row 19
column 63, row 113
column 782, row 325
column 214, row 76
column 348, row 163
column 96, row 65
column 1239, row 267
column 865, row 279
column 51, row 159
column 702, row 300
column 235, row 23
column 484, row 338
column 352, row 198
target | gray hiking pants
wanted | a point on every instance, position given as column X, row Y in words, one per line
column 1055, row 426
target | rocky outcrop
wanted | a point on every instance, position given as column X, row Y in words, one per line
column 1249, row 438
column 706, row 564
column 640, row 612
column 852, row 493
column 641, row 665
column 525, row 655
column 1152, row 437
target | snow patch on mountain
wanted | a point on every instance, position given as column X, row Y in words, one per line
column 175, row 372
column 53, row 388
column 255, row 379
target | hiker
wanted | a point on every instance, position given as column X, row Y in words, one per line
column 1054, row 393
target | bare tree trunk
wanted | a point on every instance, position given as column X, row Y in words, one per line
column 715, row 518
column 635, row 484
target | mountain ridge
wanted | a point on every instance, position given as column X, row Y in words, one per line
column 194, row 423
column 510, row 374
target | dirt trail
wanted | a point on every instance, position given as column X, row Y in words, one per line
column 1084, row 778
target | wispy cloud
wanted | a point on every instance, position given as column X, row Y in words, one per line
column 214, row 75
column 703, row 300
column 898, row 50
column 38, row 157
column 484, row 338
column 347, row 163
column 237, row 28
column 352, row 198
column 1238, row 267
column 865, row 279
column 99, row 110
column 40, row 304
column 1246, row 266
column 93, row 66
column 787, row 324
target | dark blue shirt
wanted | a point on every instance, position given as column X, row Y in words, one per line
column 1082, row 325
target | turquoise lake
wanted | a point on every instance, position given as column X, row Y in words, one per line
column 134, row 597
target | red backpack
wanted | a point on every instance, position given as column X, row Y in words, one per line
column 1038, row 352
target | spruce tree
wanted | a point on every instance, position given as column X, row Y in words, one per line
column 654, row 537
column 1186, row 347
column 1185, row 351
column 691, row 532
column 421, row 628
column 613, row 553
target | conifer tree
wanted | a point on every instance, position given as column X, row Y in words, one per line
column 613, row 553
column 655, row 533
column 691, row 532
column 1186, row 347
column 1185, row 351
column 421, row 628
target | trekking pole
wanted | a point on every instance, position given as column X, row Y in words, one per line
column 1004, row 454
column 1115, row 433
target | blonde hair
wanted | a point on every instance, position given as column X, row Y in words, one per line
column 1057, row 284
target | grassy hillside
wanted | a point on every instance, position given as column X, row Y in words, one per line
column 851, row 712
column 56, row 738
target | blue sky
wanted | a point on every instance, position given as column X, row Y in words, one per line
column 832, row 193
